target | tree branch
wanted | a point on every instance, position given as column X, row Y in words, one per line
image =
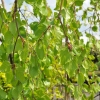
column 15, row 9
column 59, row 17
column 2, row 1
column 61, row 6
column 16, row 38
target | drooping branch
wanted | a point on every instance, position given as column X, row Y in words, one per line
column 14, row 18
column 69, row 45
column 59, row 17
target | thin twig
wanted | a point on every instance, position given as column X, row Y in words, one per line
column 62, row 25
column 86, row 29
column 23, row 16
column 44, row 32
column 97, row 95
column 59, row 17
column 29, row 12
column 25, row 19
column 15, row 9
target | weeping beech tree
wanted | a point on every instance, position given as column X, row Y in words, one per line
column 47, row 59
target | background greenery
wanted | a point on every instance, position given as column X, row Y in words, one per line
column 47, row 59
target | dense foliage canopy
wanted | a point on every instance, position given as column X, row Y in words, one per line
column 46, row 59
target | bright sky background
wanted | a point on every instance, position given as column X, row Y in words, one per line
column 52, row 3
column 8, row 3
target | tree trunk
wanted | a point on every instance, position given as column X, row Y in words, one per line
column 67, row 96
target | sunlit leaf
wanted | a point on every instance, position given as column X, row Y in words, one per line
column 80, row 78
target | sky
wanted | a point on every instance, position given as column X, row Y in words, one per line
column 8, row 3
column 52, row 3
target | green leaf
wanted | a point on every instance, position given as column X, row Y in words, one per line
column 14, row 81
column 29, row 1
column 80, row 78
column 95, row 28
column 40, row 93
column 84, row 15
column 2, row 50
column 69, row 1
column 40, row 31
column 40, row 51
column 9, row 48
column 5, row 66
column 22, row 31
column 16, row 58
column 34, row 60
column 19, row 45
column 12, row 27
column 16, row 91
column 3, row 13
column 2, row 94
column 33, row 71
column 8, row 37
column 74, row 67
column 74, row 24
column 44, row 11
column 83, row 70
column 0, row 20
column 24, row 53
column 79, row 2
column 20, row 74
column 42, row 61
column 9, row 76
column 49, row 11
column 63, row 12
column 47, row 83
column 77, row 93
column 4, row 28
column 65, row 56
column 85, row 64
column 20, row 2
column 34, row 26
